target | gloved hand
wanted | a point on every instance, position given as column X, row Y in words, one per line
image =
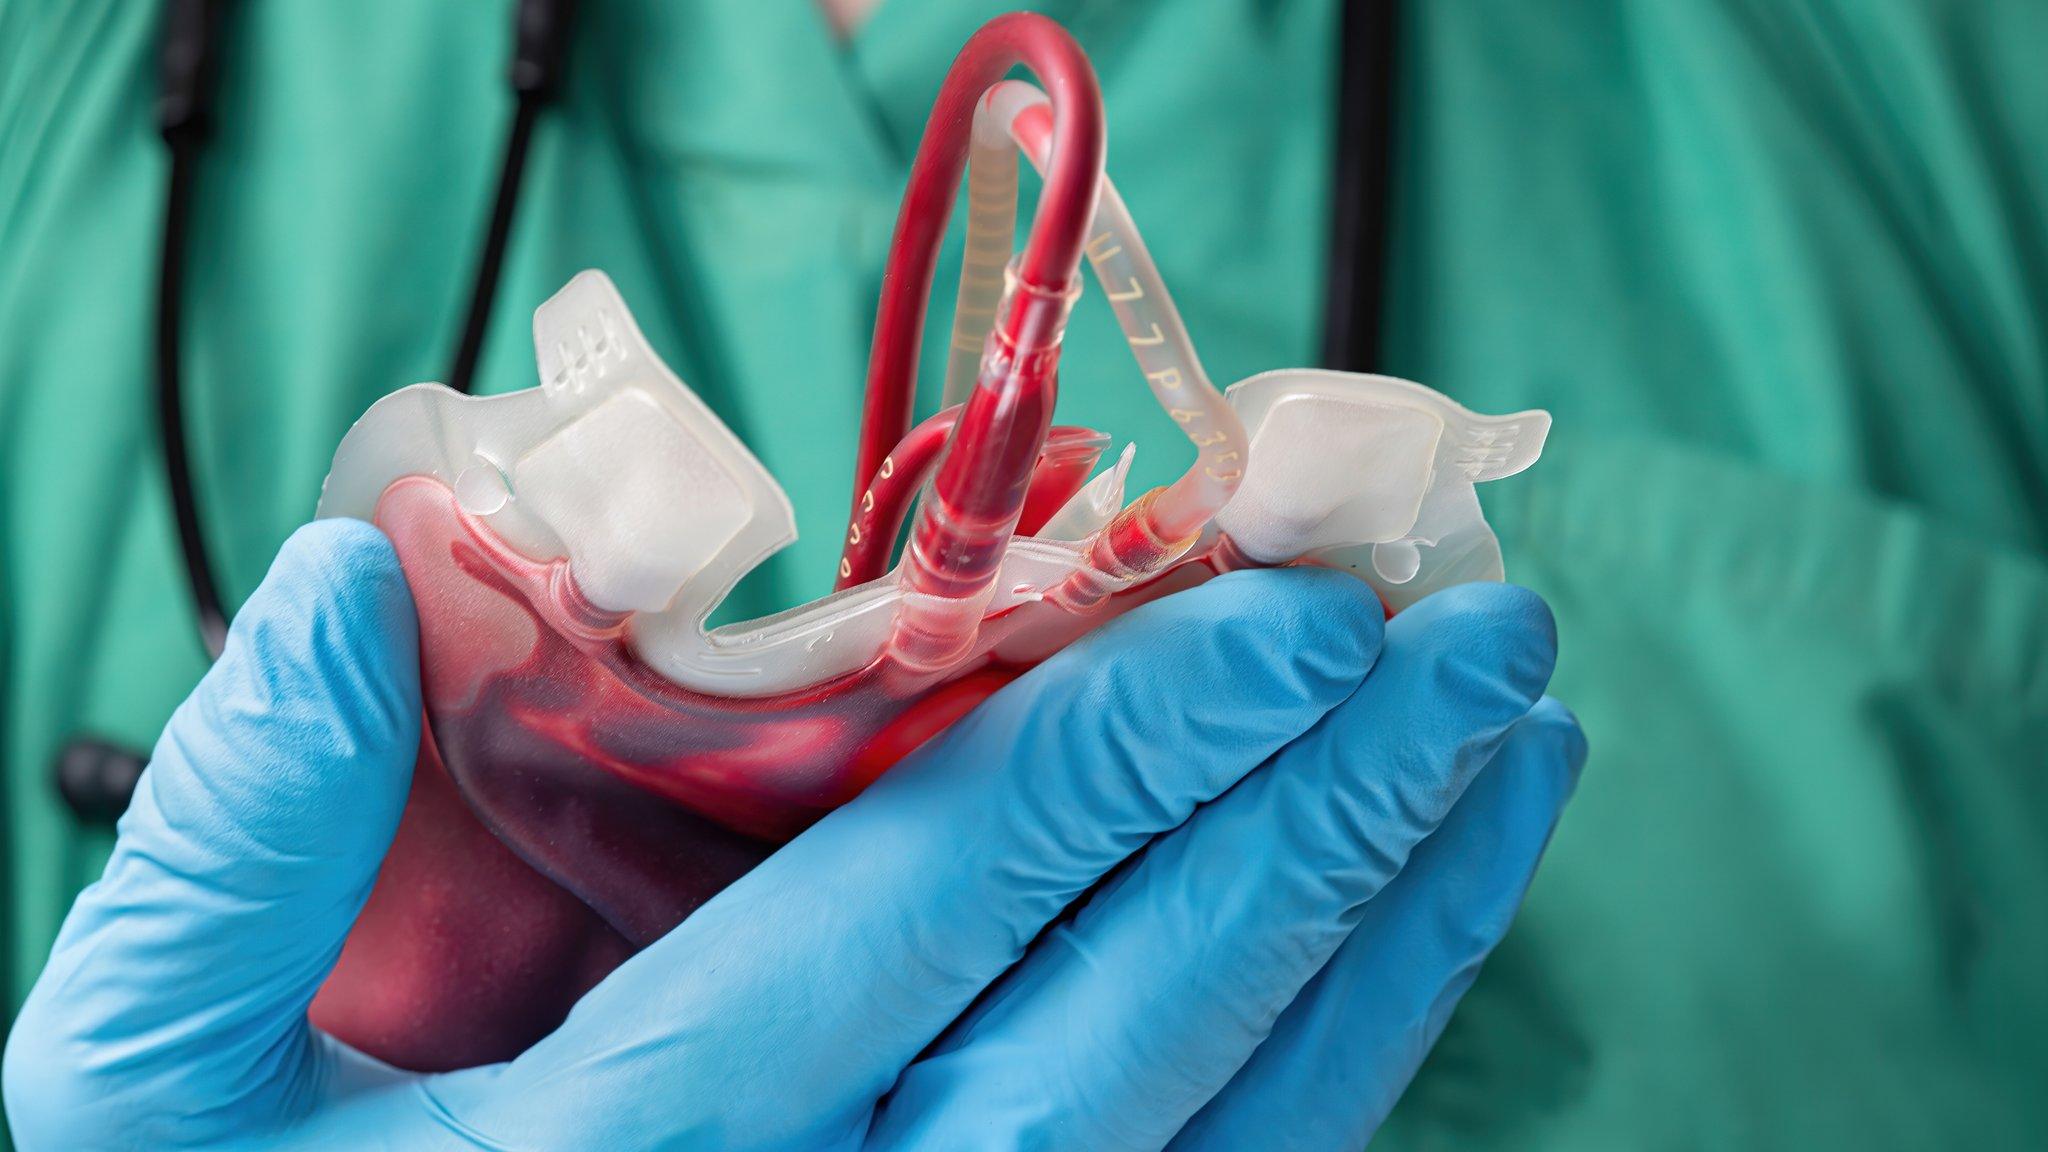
column 1279, row 824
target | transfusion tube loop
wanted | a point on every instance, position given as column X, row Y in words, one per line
column 1009, row 318
column 1053, row 252
column 971, row 506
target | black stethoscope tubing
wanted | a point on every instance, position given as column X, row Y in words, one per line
column 190, row 50
column 96, row 777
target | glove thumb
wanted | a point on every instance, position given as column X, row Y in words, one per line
column 176, row 995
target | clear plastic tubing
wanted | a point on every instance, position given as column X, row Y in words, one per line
column 1159, row 526
column 970, row 507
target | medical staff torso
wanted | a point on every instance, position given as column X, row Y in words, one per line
column 1777, row 270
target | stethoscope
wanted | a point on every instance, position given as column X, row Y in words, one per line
column 96, row 777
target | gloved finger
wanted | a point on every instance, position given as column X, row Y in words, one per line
column 790, row 1002
column 1344, row 1051
column 1124, row 1021
column 174, row 1002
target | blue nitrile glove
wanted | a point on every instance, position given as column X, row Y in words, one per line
column 1311, row 833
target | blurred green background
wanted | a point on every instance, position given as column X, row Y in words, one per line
column 1779, row 268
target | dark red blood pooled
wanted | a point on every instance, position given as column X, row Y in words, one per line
column 571, row 805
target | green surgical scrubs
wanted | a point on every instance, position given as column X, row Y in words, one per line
column 1778, row 267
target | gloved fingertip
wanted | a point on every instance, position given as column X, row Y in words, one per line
column 1274, row 640
column 1495, row 626
column 348, row 562
column 332, row 618
column 1314, row 612
column 313, row 705
column 1561, row 727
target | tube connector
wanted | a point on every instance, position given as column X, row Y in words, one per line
column 1032, row 318
column 1129, row 549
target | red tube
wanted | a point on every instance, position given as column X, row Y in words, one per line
column 1045, row 270
column 880, row 506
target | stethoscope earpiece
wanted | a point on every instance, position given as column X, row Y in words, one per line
column 96, row 778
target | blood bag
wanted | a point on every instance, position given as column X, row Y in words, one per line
column 598, row 761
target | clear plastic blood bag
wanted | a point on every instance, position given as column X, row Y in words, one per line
column 597, row 763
